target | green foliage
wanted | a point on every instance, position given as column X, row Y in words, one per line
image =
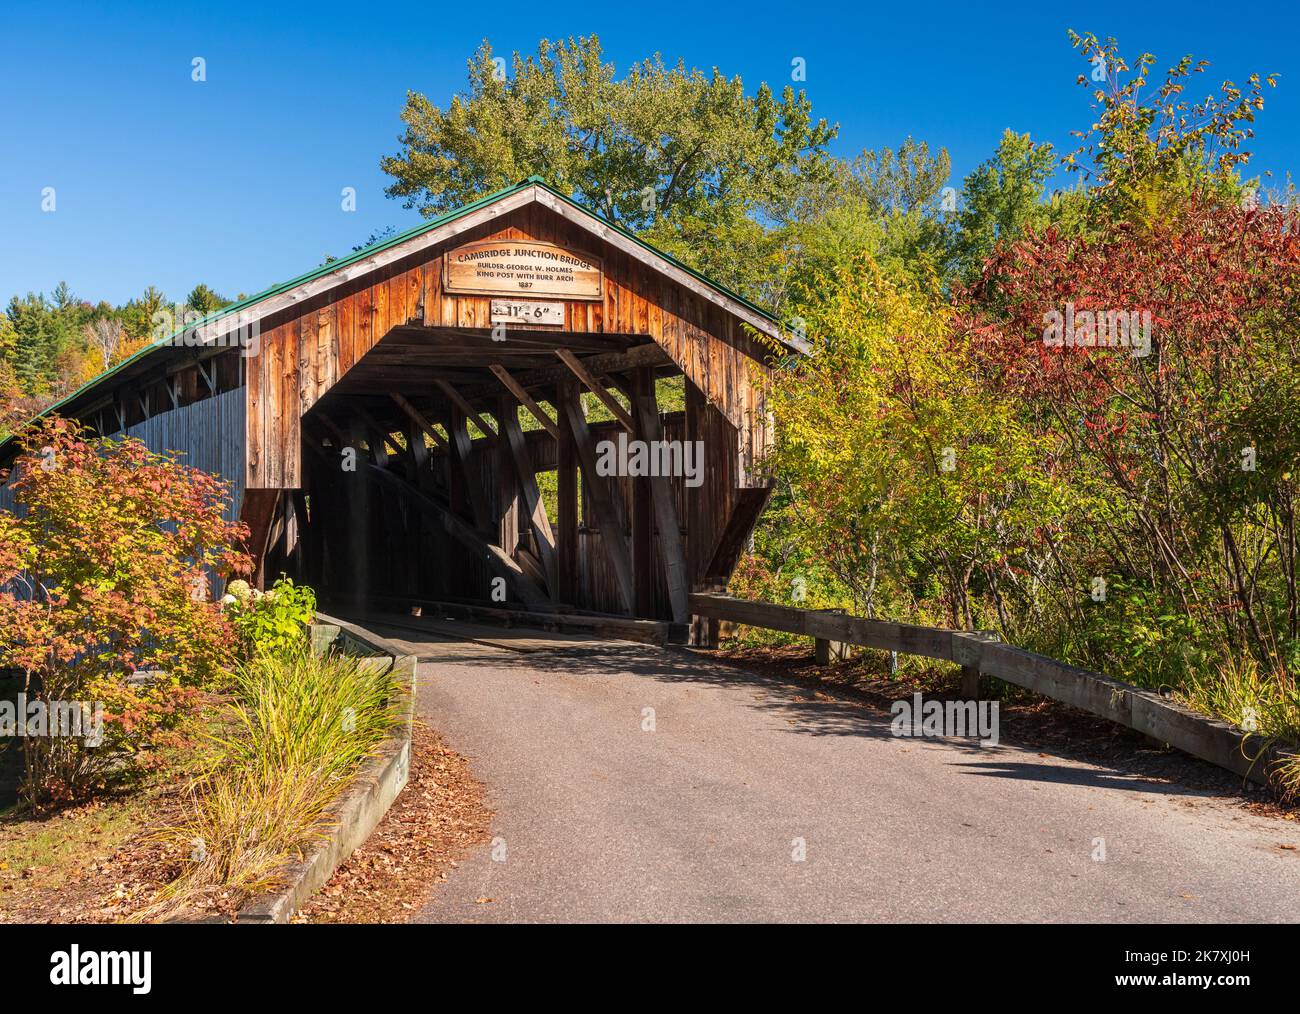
column 1001, row 199
column 307, row 712
column 204, row 301
column 658, row 143
column 672, row 153
column 273, row 622
column 49, row 347
column 1149, row 151
column 41, row 334
column 954, row 484
column 938, row 460
column 138, row 315
column 1266, row 703
column 886, row 205
column 1139, row 635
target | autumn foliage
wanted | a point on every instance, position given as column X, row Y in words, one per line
column 1188, row 451
column 104, row 597
column 1089, row 443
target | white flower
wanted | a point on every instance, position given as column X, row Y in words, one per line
column 239, row 589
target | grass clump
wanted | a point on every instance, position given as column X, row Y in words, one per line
column 302, row 723
column 1266, row 706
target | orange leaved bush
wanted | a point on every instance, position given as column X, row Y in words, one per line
column 105, row 606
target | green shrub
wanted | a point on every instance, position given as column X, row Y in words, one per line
column 273, row 621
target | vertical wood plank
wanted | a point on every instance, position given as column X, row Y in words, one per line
column 603, row 495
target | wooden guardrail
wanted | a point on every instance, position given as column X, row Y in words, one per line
column 1243, row 753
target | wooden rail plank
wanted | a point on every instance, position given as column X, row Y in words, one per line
column 1143, row 710
column 930, row 642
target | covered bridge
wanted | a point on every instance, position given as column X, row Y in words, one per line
column 406, row 426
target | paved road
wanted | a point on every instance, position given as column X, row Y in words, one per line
column 700, row 818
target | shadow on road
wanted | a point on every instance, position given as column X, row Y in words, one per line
column 808, row 708
column 1069, row 774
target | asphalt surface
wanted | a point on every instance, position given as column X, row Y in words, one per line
column 751, row 800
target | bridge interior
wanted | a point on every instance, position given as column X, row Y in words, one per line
column 455, row 469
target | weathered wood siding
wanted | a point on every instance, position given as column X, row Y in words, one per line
column 210, row 433
column 309, row 348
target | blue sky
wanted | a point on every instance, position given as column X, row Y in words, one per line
column 235, row 181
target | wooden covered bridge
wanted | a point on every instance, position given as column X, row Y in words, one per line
column 451, row 416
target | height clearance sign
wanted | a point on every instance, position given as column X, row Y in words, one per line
column 505, row 267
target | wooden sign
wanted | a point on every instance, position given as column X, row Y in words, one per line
column 520, row 267
column 511, row 311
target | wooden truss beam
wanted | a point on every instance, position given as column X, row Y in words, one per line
column 649, row 354
column 381, row 441
column 424, row 338
column 541, row 524
column 417, row 417
column 487, row 429
column 526, row 399
column 461, row 448
column 566, row 479
column 337, row 435
column 596, row 388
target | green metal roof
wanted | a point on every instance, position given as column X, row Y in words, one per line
column 363, row 253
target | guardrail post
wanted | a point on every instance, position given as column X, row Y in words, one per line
column 706, row 631
column 826, row 651
column 966, row 653
column 323, row 636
